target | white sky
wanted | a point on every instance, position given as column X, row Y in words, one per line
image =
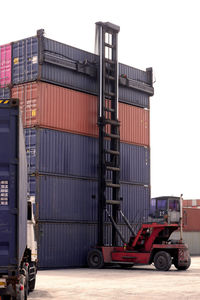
column 163, row 34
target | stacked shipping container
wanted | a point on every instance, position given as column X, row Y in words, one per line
column 57, row 87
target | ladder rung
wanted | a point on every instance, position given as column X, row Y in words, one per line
column 112, row 152
column 112, row 168
column 109, row 109
column 110, row 77
column 109, row 164
column 113, row 202
column 110, row 61
column 112, row 136
column 110, row 94
column 112, row 122
column 110, row 46
column 112, row 185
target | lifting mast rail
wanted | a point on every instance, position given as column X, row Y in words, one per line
column 109, row 131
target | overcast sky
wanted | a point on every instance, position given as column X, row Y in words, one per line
column 154, row 33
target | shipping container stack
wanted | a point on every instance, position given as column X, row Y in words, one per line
column 58, row 90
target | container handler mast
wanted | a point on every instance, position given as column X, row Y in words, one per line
column 151, row 243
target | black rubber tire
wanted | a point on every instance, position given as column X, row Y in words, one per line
column 32, row 276
column 32, row 285
column 182, row 268
column 162, row 261
column 95, row 259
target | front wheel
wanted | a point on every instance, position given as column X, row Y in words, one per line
column 182, row 268
column 162, row 261
column 95, row 259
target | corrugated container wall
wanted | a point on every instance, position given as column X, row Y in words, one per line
column 56, row 152
column 54, row 237
column 5, row 65
column 191, row 203
column 65, row 198
column 191, row 238
column 70, row 67
column 54, row 107
column 65, row 244
column 191, row 219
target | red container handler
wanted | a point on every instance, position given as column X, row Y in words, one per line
column 54, row 107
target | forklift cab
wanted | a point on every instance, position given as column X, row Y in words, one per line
column 165, row 209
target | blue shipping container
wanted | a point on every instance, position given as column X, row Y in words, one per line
column 63, row 245
column 72, row 199
column 13, row 188
column 66, row 244
column 50, row 61
column 55, row 152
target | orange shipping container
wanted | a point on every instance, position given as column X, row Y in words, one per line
column 50, row 106
column 191, row 203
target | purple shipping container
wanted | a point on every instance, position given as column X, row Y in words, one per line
column 5, row 65
column 39, row 58
column 62, row 153
column 71, row 199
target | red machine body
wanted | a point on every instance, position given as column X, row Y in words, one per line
column 150, row 245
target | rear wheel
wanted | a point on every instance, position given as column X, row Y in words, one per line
column 95, row 259
column 32, row 276
column 182, row 268
column 162, row 261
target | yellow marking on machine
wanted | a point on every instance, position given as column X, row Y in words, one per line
column 4, row 101
column 2, row 283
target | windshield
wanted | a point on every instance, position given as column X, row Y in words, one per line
column 174, row 204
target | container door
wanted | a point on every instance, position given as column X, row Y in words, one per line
column 8, row 186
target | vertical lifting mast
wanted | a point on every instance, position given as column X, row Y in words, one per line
column 109, row 131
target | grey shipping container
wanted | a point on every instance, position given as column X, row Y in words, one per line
column 39, row 58
column 55, row 152
column 4, row 93
column 191, row 238
column 13, row 189
column 72, row 199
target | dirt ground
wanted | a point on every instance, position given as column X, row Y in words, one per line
column 115, row 283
